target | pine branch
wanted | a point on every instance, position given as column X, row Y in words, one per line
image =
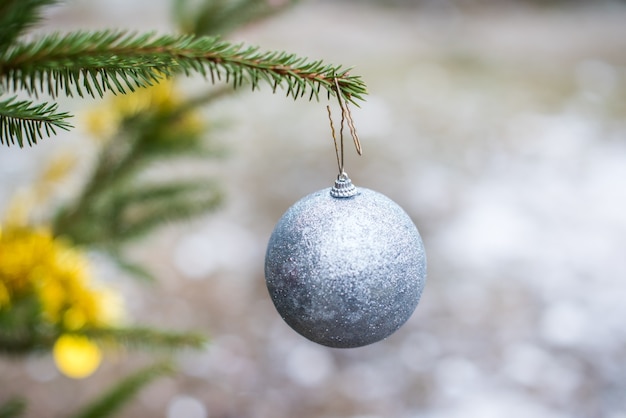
column 90, row 63
column 146, row 338
column 13, row 408
column 110, row 215
column 219, row 17
column 135, row 338
column 131, row 267
column 18, row 15
column 136, row 212
column 115, row 398
column 21, row 120
column 132, row 213
column 116, row 205
column 22, row 329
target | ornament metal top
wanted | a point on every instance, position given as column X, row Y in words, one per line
column 345, row 267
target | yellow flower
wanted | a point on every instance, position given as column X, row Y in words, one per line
column 35, row 263
column 103, row 121
column 75, row 356
column 23, row 254
column 4, row 296
column 65, row 290
column 26, row 202
column 160, row 99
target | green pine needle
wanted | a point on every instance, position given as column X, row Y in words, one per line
column 114, row 399
column 139, row 211
column 13, row 408
column 22, row 120
column 22, row 331
column 221, row 17
column 18, row 15
column 146, row 338
column 125, row 214
column 135, row 269
column 90, row 63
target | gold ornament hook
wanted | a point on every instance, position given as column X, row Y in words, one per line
column 346, row 116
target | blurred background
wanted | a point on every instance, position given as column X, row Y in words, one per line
column 499, row 126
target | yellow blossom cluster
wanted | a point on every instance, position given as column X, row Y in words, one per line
column 36, row 265
column 33, row 263
column 161, row 99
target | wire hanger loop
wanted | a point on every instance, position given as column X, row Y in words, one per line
column 346, row 118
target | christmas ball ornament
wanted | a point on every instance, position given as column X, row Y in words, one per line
column 345, row 267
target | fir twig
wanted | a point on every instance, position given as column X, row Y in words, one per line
column 13, row 408
column 115, row 398
column 90, row 63
column 130, row 267
column 22, row 329
column 129, row 213
column 135, row 212
column 16, row 16
column 22, row 120
column 146, row 338
column 219, row 17
column 22, row 332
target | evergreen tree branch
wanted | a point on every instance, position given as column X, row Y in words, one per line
column 22, row 120
column 218, row 17
column 119, row 216
column 13, row 408
column 145, row 338
column 22, row 329
column 18, row 15
column 116, row 205
column 29, row 340
column 131, row 267
column 90, row 63
column 114, row 399
column 136, row 212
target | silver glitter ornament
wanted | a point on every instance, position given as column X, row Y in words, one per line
column 345, row 267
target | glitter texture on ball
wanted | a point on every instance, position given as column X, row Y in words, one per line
column 345, row 271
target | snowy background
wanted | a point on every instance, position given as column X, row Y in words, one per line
column 501, row 130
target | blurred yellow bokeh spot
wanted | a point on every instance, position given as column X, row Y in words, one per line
column 75, row 356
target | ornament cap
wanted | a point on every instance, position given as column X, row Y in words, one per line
column 343, row 187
